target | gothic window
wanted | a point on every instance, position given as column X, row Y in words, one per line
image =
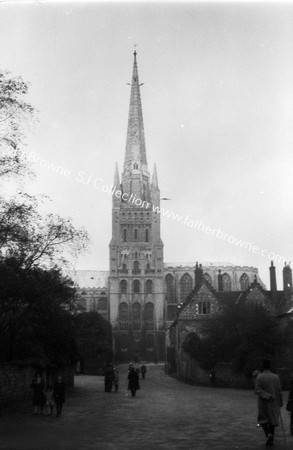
column 102, row 303
column 123, row 312
column 124, row 267
column 103, row 293
column 135, row 166
column 208, row 278
column 150, row 341
column 135, row 234
column 123, row 341
column 136, row 286
column 185, row 286
column 226, row 282
column 124, row 235
column 136, row 310
column 204, row 307
column 123, row 287
column 149, row 312
column 147, row 235
column 136, row 265
column 244, row 282
column 135, row 255
column 149, row 287
column 170, row 288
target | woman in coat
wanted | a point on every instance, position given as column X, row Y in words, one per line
column 290, row 403
column 268, row 389
column 59, row 394
column 39, row 398
column 133, row 381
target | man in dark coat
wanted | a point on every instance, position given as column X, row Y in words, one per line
column 133, row 381
column 109, row 378
column 59, row 395
column 39, row 399
column 268, row 389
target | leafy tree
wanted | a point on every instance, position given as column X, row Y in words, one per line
column 242, row 334
column 16, row 117
column 94, row 340
column 36, row 314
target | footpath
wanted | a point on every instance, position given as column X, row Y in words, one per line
column 165, row 414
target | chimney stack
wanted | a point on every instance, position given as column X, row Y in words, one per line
column 220, row 281
column 198, row 272
column 287, row 278
column 273, row 280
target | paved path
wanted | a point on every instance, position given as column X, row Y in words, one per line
column 166, row 414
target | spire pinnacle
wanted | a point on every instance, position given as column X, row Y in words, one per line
column 155, row 183
column 135, row 142
column 116, row 176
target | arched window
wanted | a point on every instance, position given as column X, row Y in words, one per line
column 170, row 288
column 136, row 265
column 149, row 287
column 208, row 278
column 150, row 341
column 147, row 235
column 185, row 286
column 123, row 287
column 124, row 235
column 136, row 312
column 226, row 282
column 123, row 312
column 135, row 234
column 124, row 268
column 147, row 267
column 135, row 166
column 136, row 286
column 244, row 282
column 149, row 312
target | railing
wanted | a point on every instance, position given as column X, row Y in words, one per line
column 149, row 325
column 150, row 271
column 123, row 271
column 123, row 325
column 136, row 271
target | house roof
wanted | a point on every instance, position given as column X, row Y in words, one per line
column 89, row 279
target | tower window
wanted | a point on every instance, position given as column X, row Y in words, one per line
column 124, row 235
column 136, row 286
column 135, row 234
column 149, row 287
column 135, row 166
column 147, row 235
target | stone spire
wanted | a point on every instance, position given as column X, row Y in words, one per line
column 155, row 183
column 116, row 177
column 135, row 151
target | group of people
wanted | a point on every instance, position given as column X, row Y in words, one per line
column 50, row 396
column 111, row 377
column 270, row 401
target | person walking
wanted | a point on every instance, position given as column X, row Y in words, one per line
column 109, row 378
column 59, row 395
column 270, row 400
column 39, row 398
column 289, row 407
column 133, row 381
column 143, row 370
column 116, row 379
column 50, row 399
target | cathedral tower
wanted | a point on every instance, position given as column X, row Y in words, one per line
column 136, row 278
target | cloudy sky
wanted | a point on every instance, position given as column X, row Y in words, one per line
column 218, row 111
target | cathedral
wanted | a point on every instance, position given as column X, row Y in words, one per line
column 140, row 293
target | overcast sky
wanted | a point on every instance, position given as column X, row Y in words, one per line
column 218, row 113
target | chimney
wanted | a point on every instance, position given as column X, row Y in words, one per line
column 198, row 272
column 287, row 278
column 273, row 280
column 220, row 281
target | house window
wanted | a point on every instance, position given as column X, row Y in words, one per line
column 204, row 308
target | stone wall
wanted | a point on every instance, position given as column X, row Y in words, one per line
column 15, row 382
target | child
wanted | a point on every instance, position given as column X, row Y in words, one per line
column 50, row 400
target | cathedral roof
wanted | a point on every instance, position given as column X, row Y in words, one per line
column 91, row 278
